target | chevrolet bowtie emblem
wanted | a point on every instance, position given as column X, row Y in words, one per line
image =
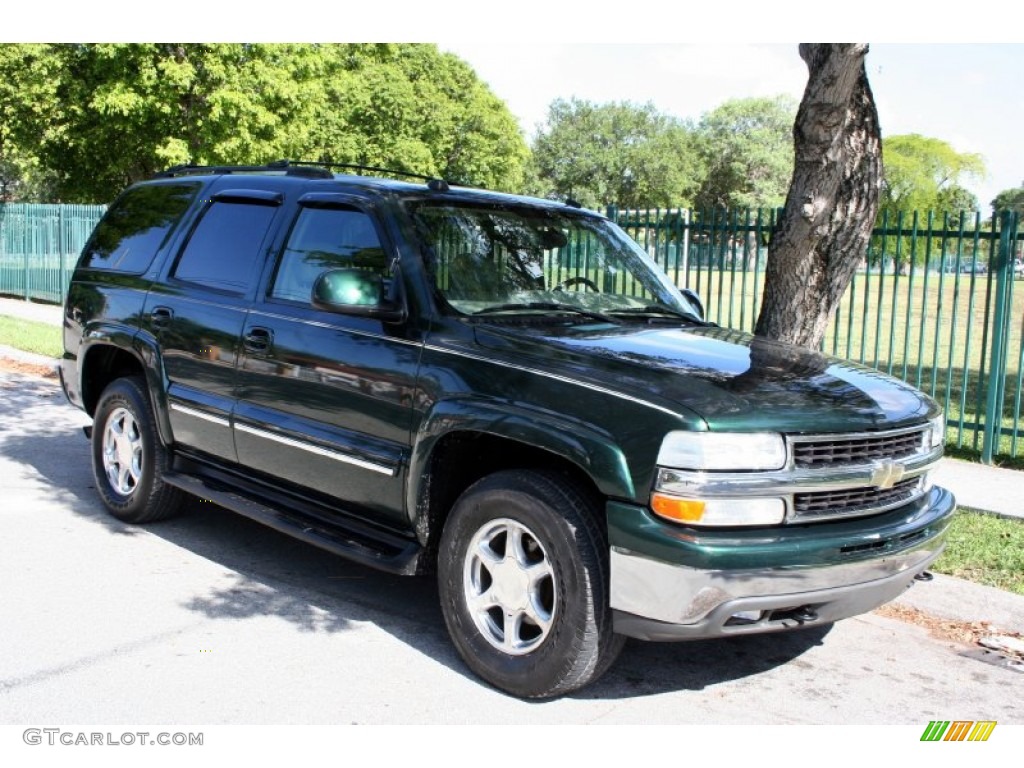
column 885, row 474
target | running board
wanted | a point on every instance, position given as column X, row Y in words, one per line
column 377, row 550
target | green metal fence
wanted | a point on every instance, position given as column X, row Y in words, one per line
column 935, row 303
column 39, row 245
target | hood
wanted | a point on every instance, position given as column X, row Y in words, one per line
column 734, row 381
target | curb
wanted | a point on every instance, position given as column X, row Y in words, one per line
column 31, row 358
column 951, row 598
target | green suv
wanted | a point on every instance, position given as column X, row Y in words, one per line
column 504, row 391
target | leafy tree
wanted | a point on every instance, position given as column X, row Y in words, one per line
column 120, row 112
column 923, row 173
column 27, row 93
column 833, row 197
column 747, row 148
column 621, row 153
column 1010, row 200
column 954, row 198
column 426, row 109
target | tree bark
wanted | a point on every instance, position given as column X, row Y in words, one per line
column 833, row 197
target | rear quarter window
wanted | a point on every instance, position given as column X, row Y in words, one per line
column 136, row 226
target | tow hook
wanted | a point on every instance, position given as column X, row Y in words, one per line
column 924, row 576
column 805, row 614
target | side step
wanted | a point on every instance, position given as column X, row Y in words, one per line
column 377, row 550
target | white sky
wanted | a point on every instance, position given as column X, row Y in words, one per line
column 968, row 95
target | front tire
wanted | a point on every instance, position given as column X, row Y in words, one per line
column 128, row 459
column 523, row 574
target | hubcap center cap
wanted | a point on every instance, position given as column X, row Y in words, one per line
column 511, row 584
column 124, row 448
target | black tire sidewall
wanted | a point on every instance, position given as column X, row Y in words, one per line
column 542, row 671
column 128, row 394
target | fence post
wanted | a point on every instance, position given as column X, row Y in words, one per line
column 1003, row 264
column 26, row 248
column 61, row 238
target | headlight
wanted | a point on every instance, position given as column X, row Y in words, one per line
column 751, row 451
column 937, row 432
column 719, row 512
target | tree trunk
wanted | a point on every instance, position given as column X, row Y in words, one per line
column 833, row 198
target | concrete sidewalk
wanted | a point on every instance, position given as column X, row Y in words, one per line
column 51, row 314
column 990, row 489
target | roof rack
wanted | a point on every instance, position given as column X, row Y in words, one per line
column 287, row 166
column 307, row 168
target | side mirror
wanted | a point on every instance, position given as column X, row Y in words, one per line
column 355, row 292
column 694, row 298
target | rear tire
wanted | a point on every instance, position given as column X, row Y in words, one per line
column 523, row 575
column 128, row 459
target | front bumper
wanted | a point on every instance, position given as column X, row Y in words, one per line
column 674, row 583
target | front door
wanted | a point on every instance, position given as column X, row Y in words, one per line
column 325, row 400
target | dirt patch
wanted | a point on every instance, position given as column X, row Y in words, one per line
column 950, row 630
column 32, row 369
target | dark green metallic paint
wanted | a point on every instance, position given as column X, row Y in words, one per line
column 731, row 380
column 593, row 451
column 598, row 395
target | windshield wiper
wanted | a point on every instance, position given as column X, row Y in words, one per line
column 657, row 309
column 544, row 306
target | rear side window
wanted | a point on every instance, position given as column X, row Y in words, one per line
column 136, row 226
column 224, row 246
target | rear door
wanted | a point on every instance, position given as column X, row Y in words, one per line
column 324, row 399
column 197, row 311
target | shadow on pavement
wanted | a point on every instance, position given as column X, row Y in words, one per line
column 645, row 669
column 275, row 575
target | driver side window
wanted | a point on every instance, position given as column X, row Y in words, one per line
column 324, row 239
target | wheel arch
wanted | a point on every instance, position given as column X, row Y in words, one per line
column 465, row 440
column 111, row 356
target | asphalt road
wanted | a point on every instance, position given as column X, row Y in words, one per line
column 211, row 618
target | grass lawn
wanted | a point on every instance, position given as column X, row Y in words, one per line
column 985, row 549
column 31, row 336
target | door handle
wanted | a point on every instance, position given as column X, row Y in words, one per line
column 161, row 317
column 258, row 340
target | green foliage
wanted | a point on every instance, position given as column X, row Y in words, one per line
column 1010, row 200
column 623, row 153
column 954, row 198
column 117, row 113
column 747, row 148
column 924, row 174
column 423, row 109
column 27, row 95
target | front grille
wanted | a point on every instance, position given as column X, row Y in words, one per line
column 822, row 505
column 836, row 451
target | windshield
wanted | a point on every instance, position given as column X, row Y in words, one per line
column 491, row 259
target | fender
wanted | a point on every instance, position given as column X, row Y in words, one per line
column 592, row 450
column 145, row 349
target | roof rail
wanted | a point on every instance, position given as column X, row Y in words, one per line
column 308, row 168
column 373, row 169
column 289, row 168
